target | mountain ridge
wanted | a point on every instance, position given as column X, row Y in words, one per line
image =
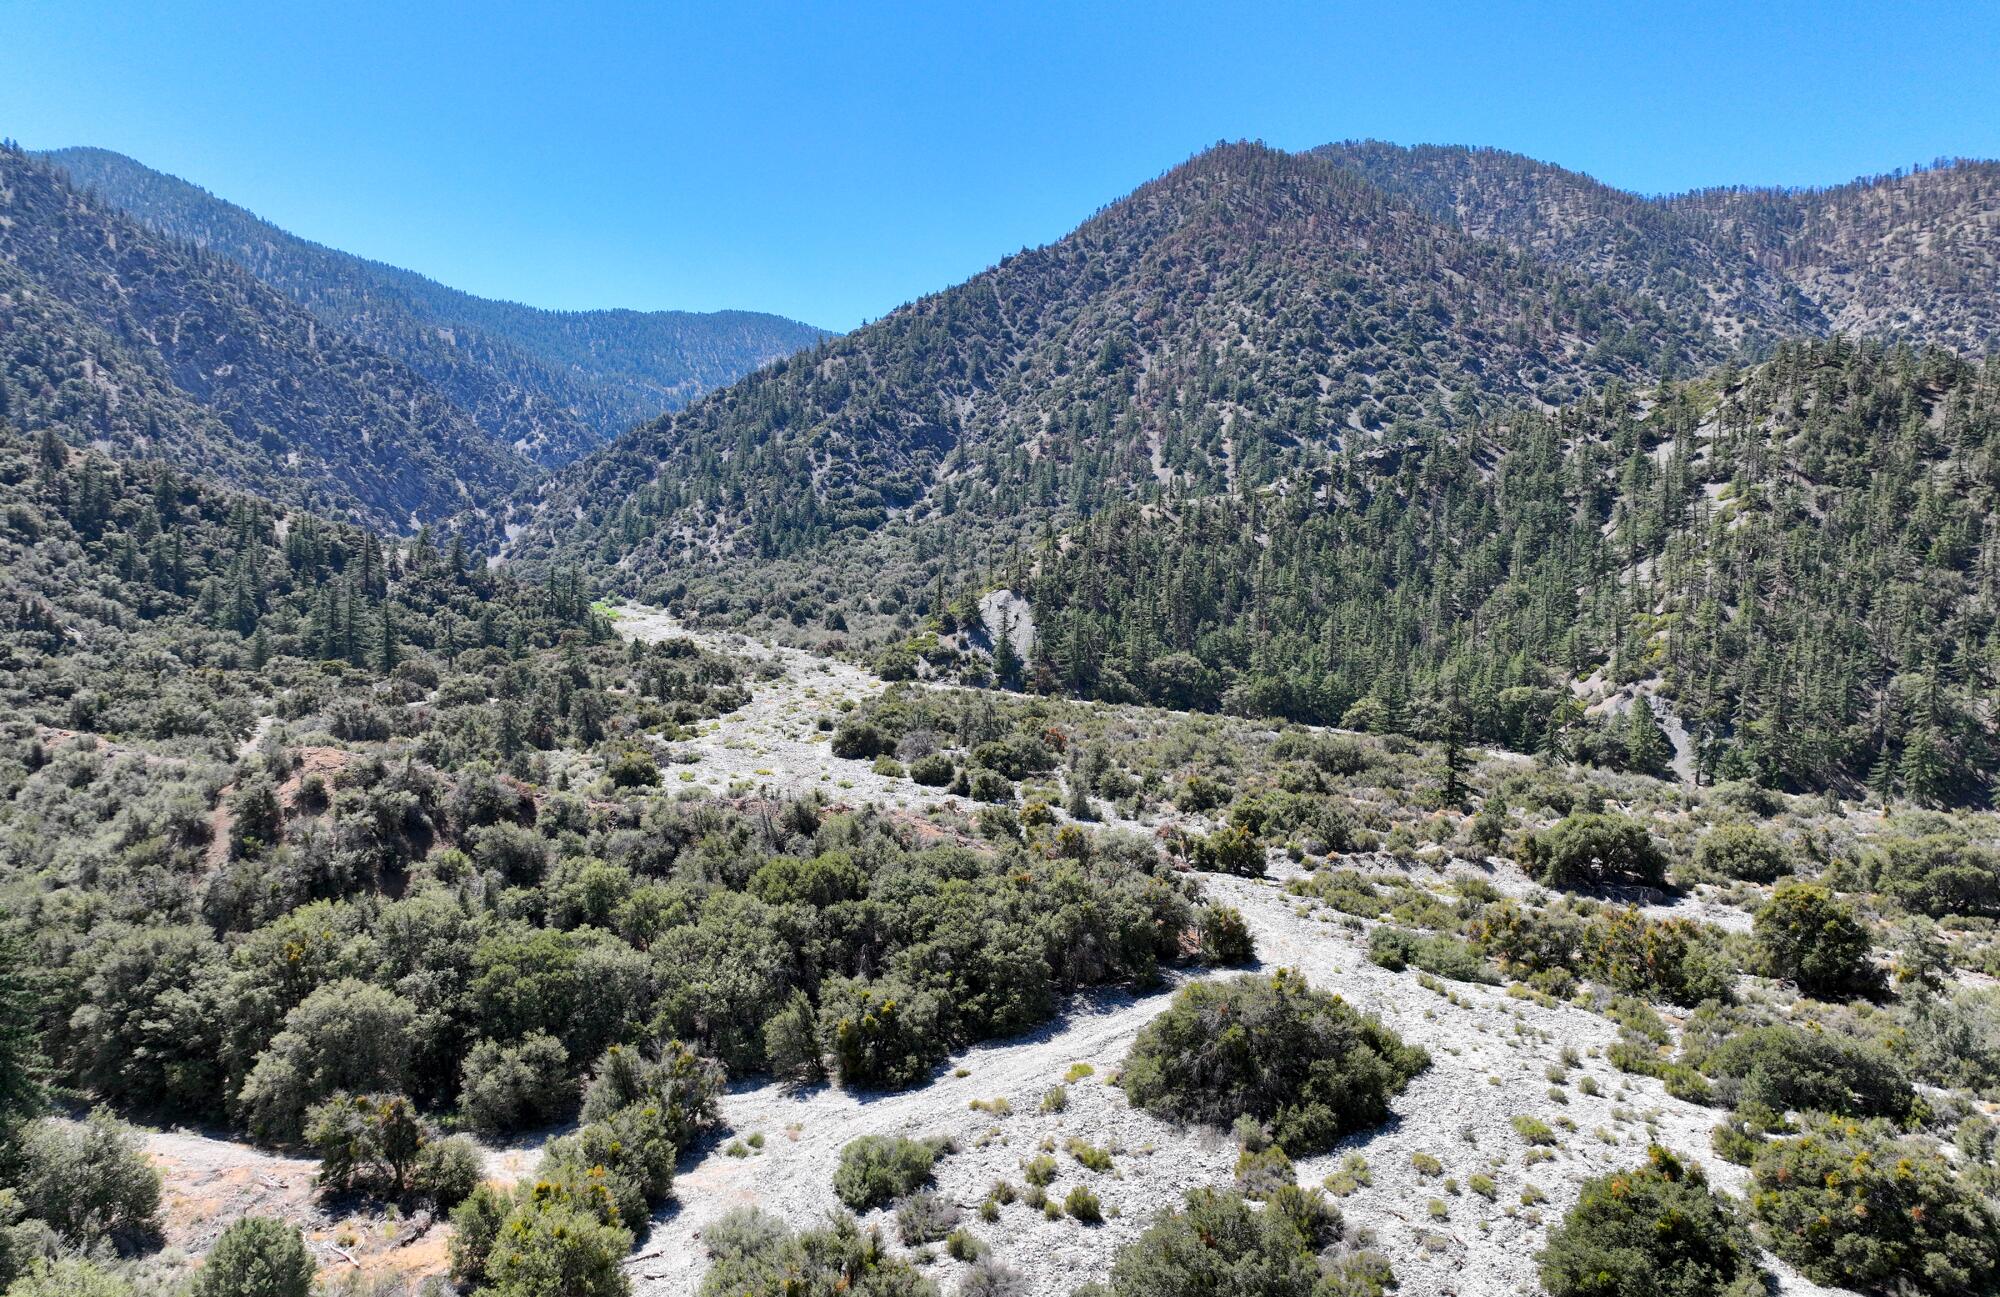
column 1789, row 260
column 1289, row 299
column 554, row 384
column 122, row 338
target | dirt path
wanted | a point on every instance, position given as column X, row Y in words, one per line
column 772, row 743
column 211, row 1182
column 221, row 821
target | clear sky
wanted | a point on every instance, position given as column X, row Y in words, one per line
column 831, row 161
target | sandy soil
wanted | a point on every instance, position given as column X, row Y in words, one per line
column 1489, row 1056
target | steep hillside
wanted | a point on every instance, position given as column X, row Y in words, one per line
column 1239, row 319
column 1913, row 254
column 1799, row 560
column 1560, row 216
column 142, row 603
column 124, row 339
column 553, row 384
column 1273, row 437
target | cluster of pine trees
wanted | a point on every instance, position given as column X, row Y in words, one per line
column 135, row 597
column 1798, row 557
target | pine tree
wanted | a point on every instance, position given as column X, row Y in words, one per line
column 1006, row 662
column 385, row 653
column 1647, row 748
column 1454, row 759
column 21, row 1093
column 1923, row 772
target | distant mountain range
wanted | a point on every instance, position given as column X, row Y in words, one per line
column 135, row 343
column 551, row 384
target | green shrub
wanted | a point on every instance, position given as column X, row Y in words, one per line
column 1260, row 1172
column 752, row 1254
column 1672, row 959
column 792, row 1042
column 1639, row 1056
column 557, row 1249
column 1686, row 1084
column 626, row 1158
column 1082, row 1205
column 1590, row 850
column 1733, row 1143
column 1231, row 849
column 448, row 1170
column 1655, row 1231
column 1533, row 1130
column 344, row 1036
column 1742, row 851
column 896, row 663
column 69, row 1277
column 91, row 1182
column 1088, row 1156
column 256, row 1257
column 1938, row 874
column 1807, row 936
column 860, row 741
column 633, row 768
column 1850, row 1206
column 881, row 1034
column 1398, row 948
column 1785, row 1068
column 370, row 1142
column 1201, row 792
column 932, row 771
column 983, row 785
column 876, row 1169
column 513, row 1087
column 1225, row 937
column 1217, row 1244
column 679, row 1083
column 475, row 1226
column 1301, row 1061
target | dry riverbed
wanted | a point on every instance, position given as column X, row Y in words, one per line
column 1491, row 1055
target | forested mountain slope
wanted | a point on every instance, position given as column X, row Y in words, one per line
column 1795, row 558
column 139, row 602
column 1912, row 255
column 553, row 384
column 1802, row 556
column 131, row 341
column 1232, row 322
column 1657, row 251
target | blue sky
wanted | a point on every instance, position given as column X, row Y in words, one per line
column 831, row 161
